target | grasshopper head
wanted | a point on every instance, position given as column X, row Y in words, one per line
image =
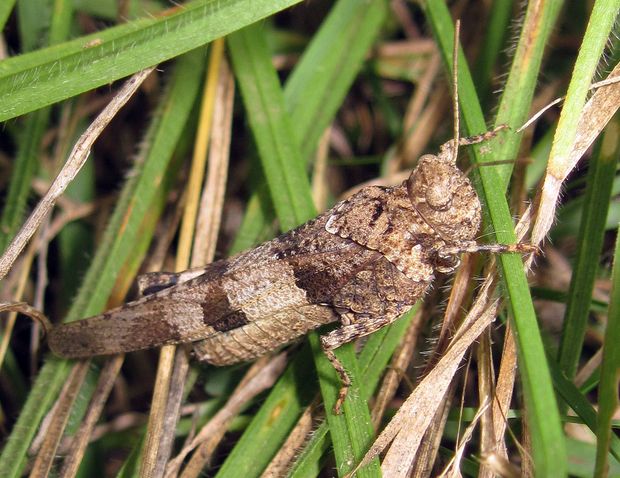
column 445, row 198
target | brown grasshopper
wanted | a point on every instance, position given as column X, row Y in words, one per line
column 363, row 263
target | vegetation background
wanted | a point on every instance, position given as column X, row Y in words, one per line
column 293, row 104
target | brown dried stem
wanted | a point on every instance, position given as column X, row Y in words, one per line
column 74, row 164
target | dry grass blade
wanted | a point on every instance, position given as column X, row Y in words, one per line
column 13, row 290
column 74, row 164
column 414, row 416
column 33, row 313
column 212, row 202
column 503, row 390
column 164, row 412
column 595, row 115
column 53, row 433
column 453, row 465
column 289, row 449
column 159, row 411
column 262, row 375
column 486, row 392
column 403, row 450
column 205, row 236
column 167, row 398
column 74, row 458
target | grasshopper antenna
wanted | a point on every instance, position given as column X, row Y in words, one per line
column 455, row 86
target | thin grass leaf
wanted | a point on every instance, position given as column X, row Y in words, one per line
column 601, row 174
column 272, row 423
column 373, row 359
column 543, row 417
column 579, row 404
column 328, row 67
column 264, row 103
column 29, row 82
column 600, row 24
column 24, row 169
column 33, row 20
column 313, row 94
column 561, row 161
column 515, row 104
column 6, row 8
column 34, row 127
column 497, row 26
column 608, row 388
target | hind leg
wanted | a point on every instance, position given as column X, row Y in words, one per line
column 344, row 335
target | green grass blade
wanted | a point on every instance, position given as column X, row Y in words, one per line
column 600, row 24
column 29, row 148
column 309, row 462
column 330, row 63
column 602, row 170
column 543, row 418
column 579, row 404
column 138, row 196
column 373, row 359
column 351, row 432
column 599, row 27
column 29, row 82
column 24, row 169
column 515, row 104
column 311, row 100
column 269, row 122
column 29, row 139
column 6, row 7
column 33, row 19
column 497, row 26
column 608, row 388
column 290, row 193
column 272, row 423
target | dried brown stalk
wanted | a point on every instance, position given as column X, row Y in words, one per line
column 74, row 164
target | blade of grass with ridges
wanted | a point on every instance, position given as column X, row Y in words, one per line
column 117, row 245
column 601, row 174
column 31, row 81
column 600, row 24
column 608, row 387
column 548, row 448
column 284, row 170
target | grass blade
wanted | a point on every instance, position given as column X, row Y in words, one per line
column 608, row 388
column 290, row 193
column 543, row 417
column 602, row 170
column 29, row 82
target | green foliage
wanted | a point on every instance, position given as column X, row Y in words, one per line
column 352, row 70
